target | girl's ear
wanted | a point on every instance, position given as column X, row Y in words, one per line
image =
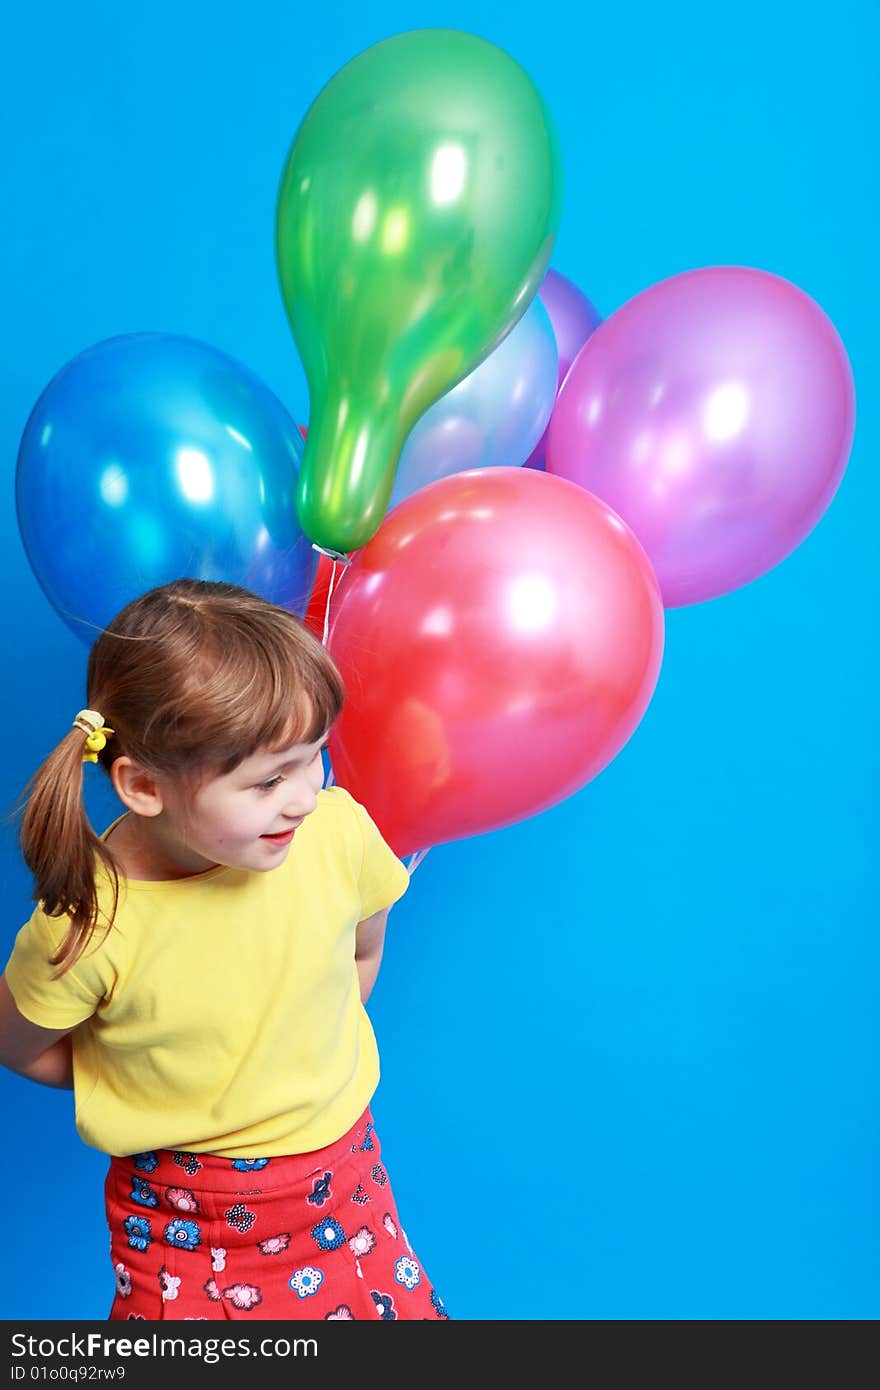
column 136, row 787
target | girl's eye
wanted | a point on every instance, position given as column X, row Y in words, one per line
column 275, row 781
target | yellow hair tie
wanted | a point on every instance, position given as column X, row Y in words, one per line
column 94, row 743
column 92, row 725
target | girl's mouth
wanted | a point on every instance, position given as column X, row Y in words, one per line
column 283, row 839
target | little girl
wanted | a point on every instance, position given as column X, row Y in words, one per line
column 198, row 973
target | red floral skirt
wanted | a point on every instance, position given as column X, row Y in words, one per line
column 304, row 1236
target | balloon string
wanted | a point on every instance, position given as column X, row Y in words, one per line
column 330, row 779
column 337, row 558
column 416, row 859
column 327, row 609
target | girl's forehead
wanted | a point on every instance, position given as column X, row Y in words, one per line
column 288, row 752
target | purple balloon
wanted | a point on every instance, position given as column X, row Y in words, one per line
column 573, row 318
column 714, row 413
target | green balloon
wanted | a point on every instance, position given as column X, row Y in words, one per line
column 415, row 221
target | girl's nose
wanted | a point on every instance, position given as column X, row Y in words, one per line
column 301, row 802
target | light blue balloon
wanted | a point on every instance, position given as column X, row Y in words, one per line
column 495, row 416
column 151, row 457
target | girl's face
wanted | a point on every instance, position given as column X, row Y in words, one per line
column 247, row 818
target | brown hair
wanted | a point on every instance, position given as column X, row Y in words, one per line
column 193, row 677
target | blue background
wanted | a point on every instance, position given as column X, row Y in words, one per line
column 629, row 1046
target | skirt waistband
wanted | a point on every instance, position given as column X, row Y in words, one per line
column 205, row 1173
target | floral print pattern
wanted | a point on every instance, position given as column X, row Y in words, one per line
column 384, row 1305
column 182, row 1199
column 183, row 1235
column 341, row 1314
column 239, row 1218
column 328, row 1234
column 438, row 1305
column 407, row 1272
column 321, row 1191
column 242, row 1238
column 169, row 1284
column 306, row 1282
column 137, row 1228
column 245, row 1296
column 274, row 1245
column 142, row 1193
column 366, row 1145
column 362, row 1242
column 188, row 1162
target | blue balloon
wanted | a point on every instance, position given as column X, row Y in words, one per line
column 151, row 457
column 494, row 417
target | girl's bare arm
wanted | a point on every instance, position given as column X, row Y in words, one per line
column 40, row 1054
column 370, row 942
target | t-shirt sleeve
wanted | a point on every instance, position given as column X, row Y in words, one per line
column 383, row 878
column 48, row 1002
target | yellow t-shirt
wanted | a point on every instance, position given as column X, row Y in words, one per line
column 221, row 1013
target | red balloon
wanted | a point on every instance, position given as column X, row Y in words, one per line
column 317, row 606
column 500, row 638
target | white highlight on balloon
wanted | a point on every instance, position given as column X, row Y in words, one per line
column 532, row 602
column 359, row 456
column 439, row 622
column 194, row 474
column 642, row 446
column 365, row 214
column 676, row 456
column 395, row 231
column 448, row 171
column 240, row 439
column 726, row 411
column 113, row 485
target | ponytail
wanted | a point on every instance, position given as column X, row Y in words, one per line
column 59, row 847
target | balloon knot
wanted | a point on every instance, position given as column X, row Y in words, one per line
column 335, row 555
